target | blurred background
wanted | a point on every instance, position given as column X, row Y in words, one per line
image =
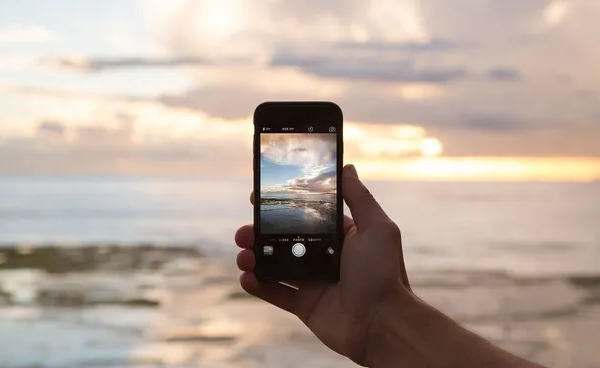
column 125, row 169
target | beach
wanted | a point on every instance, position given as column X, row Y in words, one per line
column 145, row 307
column 298, row 215
column 141, row 273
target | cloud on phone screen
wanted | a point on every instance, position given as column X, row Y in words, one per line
column 298, row 163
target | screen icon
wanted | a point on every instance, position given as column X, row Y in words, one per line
column 331, row 129
column 268, row 250
column 330, row 250
column 310, row 129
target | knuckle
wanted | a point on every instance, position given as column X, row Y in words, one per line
column 392, row 230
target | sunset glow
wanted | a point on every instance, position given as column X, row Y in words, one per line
column 169, row 88
column 484, row 169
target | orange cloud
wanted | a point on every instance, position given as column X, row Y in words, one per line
column 578, row 169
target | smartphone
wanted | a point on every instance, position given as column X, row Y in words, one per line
column 298, row 206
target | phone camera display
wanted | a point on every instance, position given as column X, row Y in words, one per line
column 298, row 183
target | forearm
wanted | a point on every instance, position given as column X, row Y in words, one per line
column 411, row 333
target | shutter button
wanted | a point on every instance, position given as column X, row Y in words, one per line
column 298, row 249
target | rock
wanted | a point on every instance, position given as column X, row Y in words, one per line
column 139, row 302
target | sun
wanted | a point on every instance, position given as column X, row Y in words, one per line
column 222, row 18
column 431, row 147
column 556, row 12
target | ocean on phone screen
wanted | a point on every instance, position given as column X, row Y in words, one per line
column 297, row 214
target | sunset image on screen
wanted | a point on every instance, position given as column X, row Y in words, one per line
column 298, row 183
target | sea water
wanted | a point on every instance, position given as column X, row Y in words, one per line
column 516, row 262
column 525, row 228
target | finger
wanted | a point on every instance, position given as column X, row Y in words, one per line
column 246, row 260
column 348, row 224
column 279, row 295
column 244, row 237
column 252, row 198
column 362, row 204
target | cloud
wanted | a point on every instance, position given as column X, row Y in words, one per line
column 581, row 142
column 363, row 53
column 507, row 106
column 24, row 156
column 101, row 64
column 481, row 20
column 341, row 10
column 24, row 34
column 52, row 93
column 323, row 183
column 369, row 66
column 380, row 61
column 229, row 101
column 90, row 135
column 106, row 151
column 408, row 47
column 504, row 74
column 502, row 69
column 51, row 128
column 493, row 122
column 229, row 27
column 140, row 138
column 312, row 153
column 471, row 56
column 234, row 92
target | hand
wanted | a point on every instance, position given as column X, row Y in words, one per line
column 343, row 315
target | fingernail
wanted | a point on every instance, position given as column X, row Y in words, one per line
column 353, row 171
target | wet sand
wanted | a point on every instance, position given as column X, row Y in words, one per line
column 297, row 216
column 155, row 307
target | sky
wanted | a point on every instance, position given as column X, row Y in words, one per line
column 430, row 89
column 298, row 163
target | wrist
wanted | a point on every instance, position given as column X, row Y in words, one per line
column 408, row 332
column 388, row 341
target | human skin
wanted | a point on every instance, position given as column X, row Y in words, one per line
column 371, row 315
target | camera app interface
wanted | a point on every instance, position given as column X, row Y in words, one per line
column 298, row 195
column 298, row 183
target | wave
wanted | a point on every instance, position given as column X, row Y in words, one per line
column 464, row 279
column 89, row 257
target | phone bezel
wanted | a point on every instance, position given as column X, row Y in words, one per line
column 285, row 112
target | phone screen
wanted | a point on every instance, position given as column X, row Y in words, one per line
column 298, row 208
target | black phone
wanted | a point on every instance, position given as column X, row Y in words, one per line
column 298, row 205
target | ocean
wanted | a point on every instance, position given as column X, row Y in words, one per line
column 140, row 272
column 523, row 228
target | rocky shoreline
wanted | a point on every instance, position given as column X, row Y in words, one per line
column 280, row 215
column 173, row 306
column 57, row 259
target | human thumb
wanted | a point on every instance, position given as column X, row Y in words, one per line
column 362, row 204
